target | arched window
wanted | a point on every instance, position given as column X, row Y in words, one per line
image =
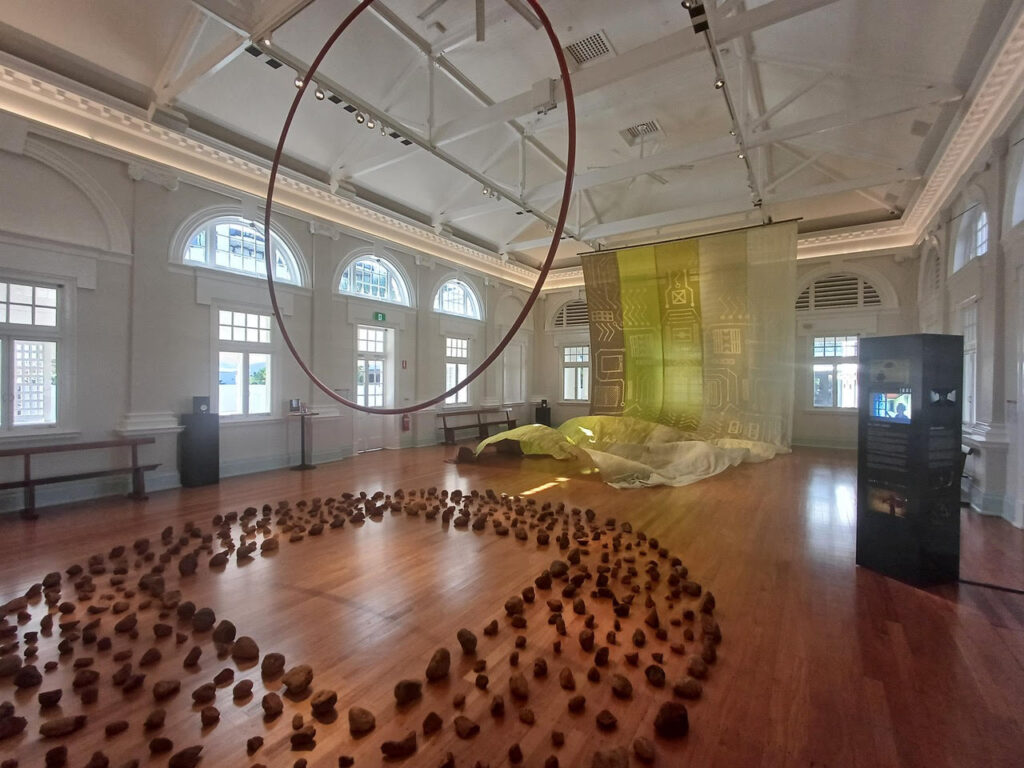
column 375, row 278
column 844, row 291
column 572, row 314
column 455, row 297
column 232, row 244
column 971, row 235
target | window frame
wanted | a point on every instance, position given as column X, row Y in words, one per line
column 566, row 365
column 834, row 361
column 62, row 335
column 456, row 356
column 390, row 267
column 476, row 309
column 967, row 318
column 208, row 226
column 245, row 349
column 973, row 233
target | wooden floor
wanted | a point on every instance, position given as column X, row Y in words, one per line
column 822, row 664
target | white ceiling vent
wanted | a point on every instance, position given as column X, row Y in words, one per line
column 572, row 314
column 634, row 133
column 838, row 292
column 589, row 48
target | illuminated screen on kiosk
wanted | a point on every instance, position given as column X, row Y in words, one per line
column 892, row 406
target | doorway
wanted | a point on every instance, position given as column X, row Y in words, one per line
column 375, row 386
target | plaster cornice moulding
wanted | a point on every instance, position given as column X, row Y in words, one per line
column 35, row 97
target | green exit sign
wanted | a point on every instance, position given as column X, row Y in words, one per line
column 379, row 317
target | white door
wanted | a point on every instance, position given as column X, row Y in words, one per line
column 373, row 387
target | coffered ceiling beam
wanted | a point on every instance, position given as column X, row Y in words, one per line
column 719, row 147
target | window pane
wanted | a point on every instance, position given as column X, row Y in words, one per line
column 46, row 297
column 21, row 294
column 569, row 384
column 846, row 375
column 229, row 392
column 46, row 316
column 824, row 376
column 259, row 383
column 35, row 382
column 583, row 383
column 20, row 314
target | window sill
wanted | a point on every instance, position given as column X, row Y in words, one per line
column 228, row 421
column 35, row 434
column 833, row 411
column 572, row 402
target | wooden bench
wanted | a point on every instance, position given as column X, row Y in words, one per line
column 477, row 422
column 29, row 483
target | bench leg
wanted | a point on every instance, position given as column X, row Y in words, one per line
column 29, row 512
column 449, row 436
column 139, row 484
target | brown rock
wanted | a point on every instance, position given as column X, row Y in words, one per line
column 297, row 679
column 439, row 666
column 432, row 723
column 224, row 633
column 643, row 749
column 223, row 677
column 323, row 702
column 272, row 706
column 160, row 745
column 49, row 699
column 697, row 667
column 28, row 677
column 466, row 728
column 515, row 754
column 253, row 745
column 203, row 620
column 205, row 693
column 192, row 658
column 242, row 690
column 209, row 716
column 621, row 687
column 577, row 704
column 304, row 738
column 467, row 640
column 273, row 665
column 398, row 750
column 672, row 721
column 245, row 649
column 655, row 675
column 155, row 719
column 606, row 721
column 62, row 726
column 185, row 758
column 527, row 716
column 164, row 689
column 498, row 706
column 519, row 688
column 115, row 728
column 408, row 691
column 360, row 721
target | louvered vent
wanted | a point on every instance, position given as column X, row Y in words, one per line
column 573, row 314
column 838, row 292
column 589, row 48
column 634, row 133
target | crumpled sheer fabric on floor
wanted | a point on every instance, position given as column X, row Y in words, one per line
column 634, row 453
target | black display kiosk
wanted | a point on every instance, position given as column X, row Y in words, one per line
column 908, row 457
column 199, row 449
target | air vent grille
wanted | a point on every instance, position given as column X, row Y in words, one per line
column 589, row 48
column 573, row 314
column 838, row 292
column 634, row 134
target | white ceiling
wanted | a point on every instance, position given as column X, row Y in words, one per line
column 841, row 105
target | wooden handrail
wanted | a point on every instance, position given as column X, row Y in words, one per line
column 27, row 450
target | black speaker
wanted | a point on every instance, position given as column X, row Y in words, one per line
column 201, row 404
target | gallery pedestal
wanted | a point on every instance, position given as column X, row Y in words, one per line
column 199, row 449
column 305, row 440
column 908, row 457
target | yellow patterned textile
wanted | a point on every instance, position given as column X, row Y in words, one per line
column 697, row 334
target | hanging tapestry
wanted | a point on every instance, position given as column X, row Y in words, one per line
column 697, row 334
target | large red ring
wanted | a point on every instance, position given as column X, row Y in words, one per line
column 556, row 236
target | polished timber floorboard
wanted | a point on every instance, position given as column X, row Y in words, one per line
column 822, row 663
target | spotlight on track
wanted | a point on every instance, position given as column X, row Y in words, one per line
column 320, row 95
column 370, row 122
column 298, row 81
column 383, row 130
column 360, row 118
column 741, row 156
column 719, row 84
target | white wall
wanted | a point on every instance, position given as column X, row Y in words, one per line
column 141, row 339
